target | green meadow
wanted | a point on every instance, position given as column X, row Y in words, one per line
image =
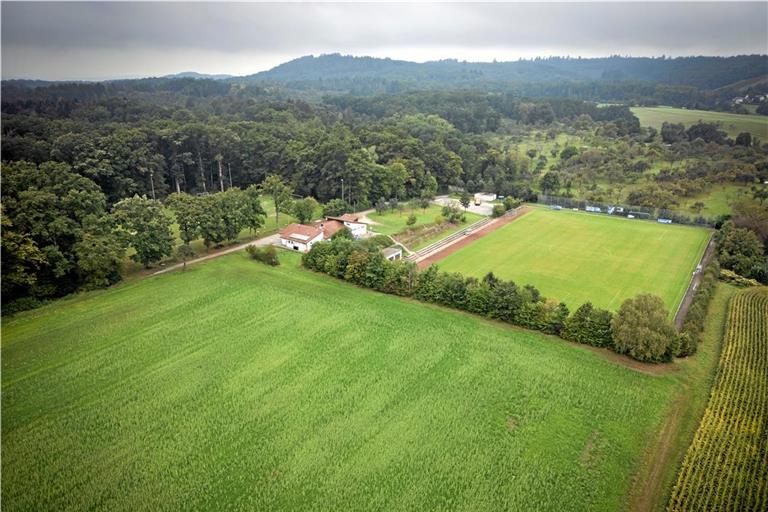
column 240, row 386
column 577, row 257
column 732, row 124
column 394, row 222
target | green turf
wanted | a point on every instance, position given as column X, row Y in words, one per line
column 577, row 257
column 733, row 124
column 243, row 387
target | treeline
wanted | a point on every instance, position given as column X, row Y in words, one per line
column 640, row 329
column 60, row 235
column 133, row 147
column 478, row 112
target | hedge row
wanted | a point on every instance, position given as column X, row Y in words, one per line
column 697, row 313
column 363, row 264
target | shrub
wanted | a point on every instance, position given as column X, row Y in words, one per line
column 732, row 277
column 498, row 211
column 336, row 207
column 510, row 203
column 453, row 214
column 266, row 255
column 411, row 220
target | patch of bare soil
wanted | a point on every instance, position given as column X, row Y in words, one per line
column 590, row 454
column 463, row 242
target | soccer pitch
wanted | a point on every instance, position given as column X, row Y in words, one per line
column 577, row 257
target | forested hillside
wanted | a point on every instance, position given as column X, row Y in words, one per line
column 700, row 72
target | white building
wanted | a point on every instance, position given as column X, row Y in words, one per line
column 298, row 237
column 352, row 221
column 392, row 253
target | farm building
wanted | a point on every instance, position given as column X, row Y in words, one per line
column 351, row 221
column 392, row 253
column 301, row 238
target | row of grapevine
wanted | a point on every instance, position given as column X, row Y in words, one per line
column 726, row 466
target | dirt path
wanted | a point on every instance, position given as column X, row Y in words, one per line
column 649, row 499
column 261, row 242
column 463, row 242
column 685, row 304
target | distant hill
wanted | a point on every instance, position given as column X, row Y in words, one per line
column 336, row 71
column 195, row 74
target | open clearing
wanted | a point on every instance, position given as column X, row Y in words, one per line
column 275, row 388
column 577, row 257
column 732, row 124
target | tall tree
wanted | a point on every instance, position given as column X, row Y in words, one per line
column 304, row 209
column 145, row 227
column 642, row 330
column 280, row 192
column 186, row 208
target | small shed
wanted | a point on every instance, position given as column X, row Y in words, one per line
column 392, row 253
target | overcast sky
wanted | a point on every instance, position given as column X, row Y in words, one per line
column 112, row 40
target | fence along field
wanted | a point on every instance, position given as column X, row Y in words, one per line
column 258, row 388
column 726, row 467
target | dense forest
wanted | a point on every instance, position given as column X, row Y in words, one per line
column 88, row 168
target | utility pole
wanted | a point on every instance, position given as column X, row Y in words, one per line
column 342, row 189
column 152, row 183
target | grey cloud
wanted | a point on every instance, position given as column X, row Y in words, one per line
column 85, row 39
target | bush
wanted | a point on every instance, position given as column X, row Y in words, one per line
column 22, row 304
column 453, row 214
column 642, row 330
column 411, row 220
column 510, row 203
column 336, row 207
column 498, row 211
column 266, row 255
column 732, row 277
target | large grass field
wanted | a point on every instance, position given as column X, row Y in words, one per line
column 577, row 257
column 243, row 387
column 733, row 124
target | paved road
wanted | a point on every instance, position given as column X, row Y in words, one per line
column 682, row 311
column 261, row 242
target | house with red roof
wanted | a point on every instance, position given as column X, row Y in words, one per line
column 299, row 237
